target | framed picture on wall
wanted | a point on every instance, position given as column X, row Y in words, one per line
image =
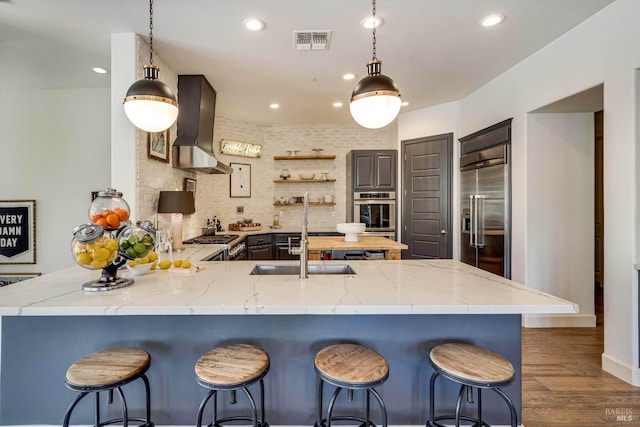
column 240, row 180
column 158, row 145
column 11, row 278
column 18, row 232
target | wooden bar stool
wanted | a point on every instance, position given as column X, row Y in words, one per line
column 474, row 368
column 107, row 370
column 231, row 368
column 351, row 367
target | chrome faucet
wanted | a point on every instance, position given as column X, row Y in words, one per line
column 303, row 249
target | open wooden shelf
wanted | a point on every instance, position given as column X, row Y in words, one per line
column 307, row 157
column 302, row 204
column 282, row 181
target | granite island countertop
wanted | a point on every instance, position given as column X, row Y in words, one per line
column 226, row 288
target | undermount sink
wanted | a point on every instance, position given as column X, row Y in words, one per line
column 294, row 269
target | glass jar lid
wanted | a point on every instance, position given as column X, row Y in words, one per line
column 110, row 192
column 86, row 233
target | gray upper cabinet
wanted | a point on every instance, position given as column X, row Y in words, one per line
column 373, row 169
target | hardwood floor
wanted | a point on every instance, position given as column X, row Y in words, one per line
column 563, row 385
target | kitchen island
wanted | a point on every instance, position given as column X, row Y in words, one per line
column 399, row 308
column 391, row 248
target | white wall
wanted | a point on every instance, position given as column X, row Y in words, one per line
column 603, row 49
column 560, row 215
column 54, row 149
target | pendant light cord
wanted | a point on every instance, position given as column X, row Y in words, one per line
column 374, row 30
column 151, row 32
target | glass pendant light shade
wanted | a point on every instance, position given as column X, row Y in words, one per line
column 375, row 101
column 150, row 104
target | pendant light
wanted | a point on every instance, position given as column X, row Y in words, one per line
column 150, row 104
column 375, row 101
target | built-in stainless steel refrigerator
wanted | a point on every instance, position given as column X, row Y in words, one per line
column 485, row 187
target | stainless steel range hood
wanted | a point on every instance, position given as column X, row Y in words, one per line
column 193, row 148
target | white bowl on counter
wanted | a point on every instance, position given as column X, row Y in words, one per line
column 351, row 230
column 139, row 269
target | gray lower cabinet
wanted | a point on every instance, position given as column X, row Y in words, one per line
column 282, row 245
column 260, row 247
column 275, row 246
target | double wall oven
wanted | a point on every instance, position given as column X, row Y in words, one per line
column 377, row 210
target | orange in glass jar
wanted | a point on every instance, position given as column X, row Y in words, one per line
column 113, row 220
column 122, row 214
column 102, row 222
column 95, row 216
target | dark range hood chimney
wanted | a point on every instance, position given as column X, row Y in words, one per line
column 193, row 148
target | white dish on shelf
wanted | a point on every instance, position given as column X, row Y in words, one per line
column 292, row 152
column 307, row 176
column 351, row 230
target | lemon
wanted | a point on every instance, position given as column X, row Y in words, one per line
column 164, row 264
column 153, row 266
column 177, row 263
column 83, row 258
column 186, row 264
column 133, row 263
column 153, row 256
column 101, row 254
column 144, row 260
column 111, row 244
column 98, row 263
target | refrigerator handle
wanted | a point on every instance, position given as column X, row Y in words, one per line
column 480, row 221
column 472, row 221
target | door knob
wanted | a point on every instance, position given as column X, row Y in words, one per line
column 443, row 231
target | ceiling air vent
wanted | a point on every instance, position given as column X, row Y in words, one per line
column 311, row 40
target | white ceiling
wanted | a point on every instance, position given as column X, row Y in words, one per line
column 435, row 50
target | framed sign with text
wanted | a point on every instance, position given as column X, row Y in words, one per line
column 17, row 232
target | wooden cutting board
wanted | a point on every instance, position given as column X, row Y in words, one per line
column 327, row 243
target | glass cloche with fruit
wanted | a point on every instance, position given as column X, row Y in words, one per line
column 110, row 240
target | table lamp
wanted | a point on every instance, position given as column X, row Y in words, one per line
column 176, row 203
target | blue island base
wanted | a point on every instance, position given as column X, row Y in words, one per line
column 36, row 352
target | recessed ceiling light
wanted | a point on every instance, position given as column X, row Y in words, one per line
column 337, row 104
column 404, row 103
column 491, row 20
column 371, row 21
column 349, row 76
column 100, row 70
column 253, row 24
column 274, row 106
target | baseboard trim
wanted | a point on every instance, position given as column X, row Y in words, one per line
column 621, row 370
column 559, row 320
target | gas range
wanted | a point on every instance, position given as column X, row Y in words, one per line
column 235, row 252
column 218, row 239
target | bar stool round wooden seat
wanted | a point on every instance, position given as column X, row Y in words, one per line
column 351, row 367
column 473, row 368
column 230, row 368
column 109, row 370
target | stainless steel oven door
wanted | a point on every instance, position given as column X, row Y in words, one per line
column 377, row 214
